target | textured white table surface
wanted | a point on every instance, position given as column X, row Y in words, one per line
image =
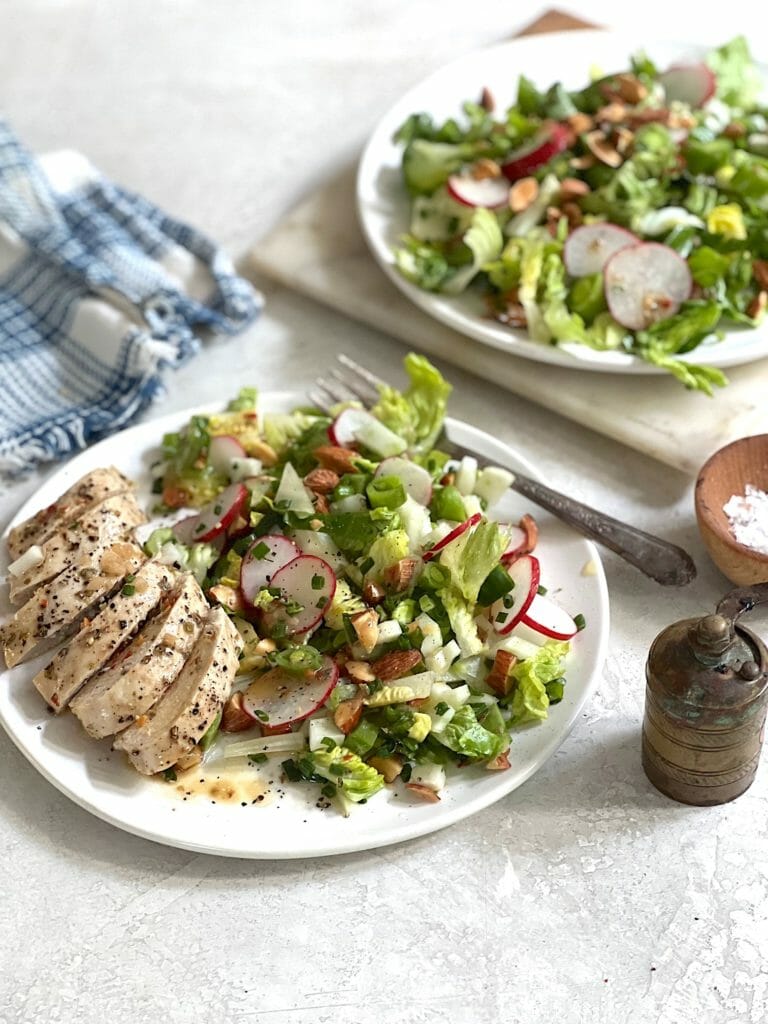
column 585, row 896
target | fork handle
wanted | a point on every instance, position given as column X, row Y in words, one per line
column 666, row 563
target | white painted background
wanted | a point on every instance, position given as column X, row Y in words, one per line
column 552, row 906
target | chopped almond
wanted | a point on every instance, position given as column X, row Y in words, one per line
column 499, row 678
column 522, row 194
column 348, row 714
column 373, row 593
column 359, row 671
column 332, row 456
column 228, row 597
column 582, row 163
column 734, row 130
column 366, row 625
column 757, row 306
column 601, row 148
column 234, row 717
column 389, row 767
column 528, row 525
column 624, row 138
column 631, row 89
column 614, row 113
column 175, row 496
column 581, row 123
column 573, row 188
column 499, row 763
column 321, row 504
column 398, row 576
column 760, row 270
column 321, row 481
column 395, row 664
column 485, row 168
column 573, row 213
column 424, row 792
column 487, row 101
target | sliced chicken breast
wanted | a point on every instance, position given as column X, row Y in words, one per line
column 181, row 717
column 89, row 490
column 55, row 610
column 136, row 677
column 80, row 538
column 115, row 624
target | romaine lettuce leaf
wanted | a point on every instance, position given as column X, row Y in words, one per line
column 470, row 558
column 530, row 702
column 461, row 618
column 466, row 736
column 738, row 80
column 485, row 241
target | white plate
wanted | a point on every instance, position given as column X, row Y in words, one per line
column 288, row 824
column 383, row 204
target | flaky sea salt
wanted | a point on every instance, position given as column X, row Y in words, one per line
column 748, row 517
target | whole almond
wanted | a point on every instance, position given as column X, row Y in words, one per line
column 395, row 664
column 373, row 593
column 631, row 89
column 321, row 481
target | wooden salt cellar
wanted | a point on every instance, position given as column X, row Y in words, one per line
column 705, row 704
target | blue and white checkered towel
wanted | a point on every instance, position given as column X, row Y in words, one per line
column 99, row 292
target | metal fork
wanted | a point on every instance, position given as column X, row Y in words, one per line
column 666, row 563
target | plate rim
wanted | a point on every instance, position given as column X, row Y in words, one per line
column 420, row 826
column 469, row 326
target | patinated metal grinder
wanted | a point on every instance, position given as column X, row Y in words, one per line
column 705, row 704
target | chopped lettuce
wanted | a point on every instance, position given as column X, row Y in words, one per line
column 280, row 429
column 388, row 549
column 417, row 413
column 472, row 556
column 352, row 777
column 738, row 80
column 466, row 736
column 529, row 701
column 428, row 165
column 461, row 617
column 485, row 241
column 344, row 602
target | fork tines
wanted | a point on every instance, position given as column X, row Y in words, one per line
column 352, row 381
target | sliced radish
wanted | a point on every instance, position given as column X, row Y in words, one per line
column 222, row 450
column 214, row 518
column 515, row 544
column 646, row 283
column 491, row 193
column 509, row 610
column 454, row 534
column 588, row 248
column 309, row 582
column 693, row 84
column 262, row 560
column 358, row 426
column 538, row 151
column 548, row 618
column 315, row 542
column 415, row 479
column 279, row 698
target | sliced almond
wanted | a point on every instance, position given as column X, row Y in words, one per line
column 522, row 194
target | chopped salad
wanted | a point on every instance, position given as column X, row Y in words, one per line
column 391, row 627
column 630, row 215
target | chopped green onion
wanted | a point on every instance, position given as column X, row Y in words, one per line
column 442, row 708
column 261, row 550
column 497, row 583
column 386, row 492
column 579, row 621
column 555, row 690
column 170, row 775
column 447, row 503
column 318, row 581
column 362, row 738
column 257, row 758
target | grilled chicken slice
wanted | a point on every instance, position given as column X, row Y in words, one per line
column 139, row 674
column 115, row 624
column 81, row 538
column 55, row 610
column 179, row 720
column 89, row 490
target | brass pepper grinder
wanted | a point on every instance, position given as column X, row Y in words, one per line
column 705, row 704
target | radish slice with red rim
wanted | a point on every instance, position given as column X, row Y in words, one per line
column 693, row 84
column 214, row 518
column 307, row 585
column 549, row 619
column 278, row 698
column 588, row 248
column 222, row 450
column 358, row 426
column 265, row 557
column 455, row 533
column 646, row 283
column 491, row 193
column 538, row 151
column 509, row 610
column 415, row 479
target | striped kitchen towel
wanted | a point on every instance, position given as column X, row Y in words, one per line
column 100, row 291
